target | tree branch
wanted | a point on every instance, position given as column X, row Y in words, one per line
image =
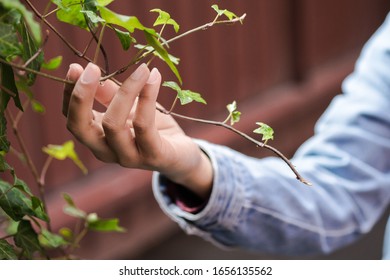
column 247, row 137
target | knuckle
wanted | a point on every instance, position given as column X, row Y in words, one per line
column 77, row 96
column 110, row 125
column 140, row 126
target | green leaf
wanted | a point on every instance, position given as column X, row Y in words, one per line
column 265, row 130
column 53, row 63
column 93, row 17
column 71, row 209
column 4, row 143
column 33, row 26
column 68, row 199
column 103, row 3
column 153, row 42
column 39, row 209
column 17, row 205
column 7, row 251
column 65, row 151
column 51, row 240
column 175, row 60
column 225, row 12
column 70, row 12
column 9, row 41
column 8, row 86
column 30, row 49
column 21, row 185
column 3, row 164
column 98, row 224
column 125, row 38
column 23, row 87
column 164, row 18
column 66, row 233
column 185, row 96
column 37, row 106
column 234, row 115
column 27, row 239
column 130, row 23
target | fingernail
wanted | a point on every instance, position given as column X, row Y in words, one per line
column 71, row 67
column 153, row 77
column 89, row 74
column 139, row 73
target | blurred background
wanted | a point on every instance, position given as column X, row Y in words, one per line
column 282, row 66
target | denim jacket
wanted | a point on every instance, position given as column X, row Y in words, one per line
column 258, row 204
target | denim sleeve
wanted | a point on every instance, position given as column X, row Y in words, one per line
column 258, row 204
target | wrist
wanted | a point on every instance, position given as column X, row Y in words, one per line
column 198, row 178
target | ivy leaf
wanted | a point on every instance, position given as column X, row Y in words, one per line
column 9, row 41
column 33, row 26
column 8, row 86
column 7, row 251
column 225, row 12
column 3, row 164
column 35, row 104
column 175, row 60
column 265, row 130
column 20, row 184
column 185, row 96
column 51, row 240
column 234, row 115
column 65, row 151
column 97, row 224
column 130, row 23
column 70, row 12
column 103, row 3
column 152, row 41
column 30, row 48
column 93, row 17
column 53, row 63
column 71, row 209
column 4, row 143
column 17, row 205
column 125, row 38
column 164, row 18
column 39, row 209
column 27, row 239
column 66, row 233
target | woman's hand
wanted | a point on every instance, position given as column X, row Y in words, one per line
column 131, row 131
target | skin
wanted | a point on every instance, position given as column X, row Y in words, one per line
column 131, row 132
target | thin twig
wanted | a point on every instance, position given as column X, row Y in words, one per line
column 247, row 137
column 62, row 38
column 21, row 67
column 38, row 52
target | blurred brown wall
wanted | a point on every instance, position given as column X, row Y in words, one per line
column 283, row 66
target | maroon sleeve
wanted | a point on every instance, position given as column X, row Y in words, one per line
column 184, row 198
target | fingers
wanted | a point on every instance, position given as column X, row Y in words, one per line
column 74, row 73
column 116, row 128
column 81, row 117
column 81, row 101
column 147, row 136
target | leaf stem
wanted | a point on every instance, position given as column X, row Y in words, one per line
column 173, row 104
column 100, row 47
column 204, row 27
